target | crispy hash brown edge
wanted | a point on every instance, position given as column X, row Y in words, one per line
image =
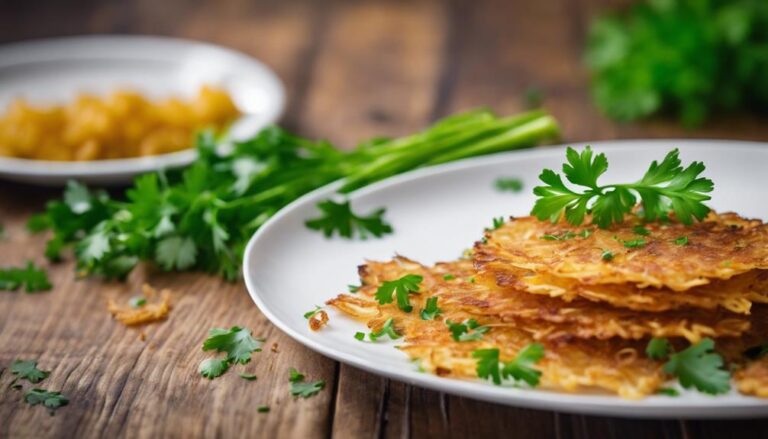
column 722, row 246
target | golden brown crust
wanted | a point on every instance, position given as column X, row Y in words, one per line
column 720, row 247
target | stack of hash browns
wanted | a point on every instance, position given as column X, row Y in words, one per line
column 593, row 297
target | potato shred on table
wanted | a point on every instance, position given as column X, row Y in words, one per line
column 151, row 311
column 533, row 282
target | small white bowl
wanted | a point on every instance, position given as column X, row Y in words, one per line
column 54, row 71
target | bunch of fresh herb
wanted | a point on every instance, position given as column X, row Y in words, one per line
column 690, row 57
column 202, row 217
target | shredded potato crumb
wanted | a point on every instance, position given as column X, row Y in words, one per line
column 318, row 320
column 274, row 347
column 151, row 312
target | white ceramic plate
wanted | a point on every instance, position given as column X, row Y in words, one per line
column 440, row 211
column 57, row 70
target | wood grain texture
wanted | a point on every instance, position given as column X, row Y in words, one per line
column 353, row 69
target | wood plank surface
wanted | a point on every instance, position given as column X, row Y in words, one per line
column 353, row 69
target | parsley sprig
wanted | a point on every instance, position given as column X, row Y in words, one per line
column 301, row 388
column 468, row 330
column 697, row 366
column 665, row 187
column 30, row 277
column 339, row 218
column 27, row 370
column 402, row 289
column 489, row 366
column 237, row 343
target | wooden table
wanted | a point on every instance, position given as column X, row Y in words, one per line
column 353, row 69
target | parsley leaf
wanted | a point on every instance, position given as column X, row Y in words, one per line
column 401, row 288
column 301, row 388
column 213, row 367
column 386, row 329
column 683, row 240
column 339, row 218
column 668, row 391
column 30, row 277
column 308, row 315
column 640, row 230
column 360, row 336
column 521, row 368
column 658, row 348
column 468, row 330
column 509, row 184
column 430, row 310
column 176, row 253
column 28, row 370
column 449, row 277
column 263, row 409
column 700, row 367
column 606, row 255
column 665, row 187
column 236, row 342
column 247, row 376
column 137, row 302
column 50, row 400
column 634, row 243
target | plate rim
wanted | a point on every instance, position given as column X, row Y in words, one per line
column 541, row 399
column 37, row 49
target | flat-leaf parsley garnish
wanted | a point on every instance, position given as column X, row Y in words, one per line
column 301, row 388
column 508, row 184
column 430, row 310
column 665, row 187
column 401, row 288
column 48, row 399
column 339, row 218
column 387, row 329
column 468, row 330
column 697, row 366
column 490, row 367
column 683, row 240
column 30, row 277
column 27, row 370
column 308, row 315
column 238, row 345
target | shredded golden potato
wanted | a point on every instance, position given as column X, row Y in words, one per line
column 148, row 313
column 720, row 247
column 123, row 124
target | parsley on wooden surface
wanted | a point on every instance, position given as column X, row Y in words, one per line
column 237, row 343
column 431, row 310
column 665, row 187
column 339, row 218
column 27, row 370
column 401, row 288
column 213, row 367
column 201, row 217
column 490, row 367
column 508, row 184
column 301, row 388
column 263, row 409
column 247, row 376
column 49, row 400
column 31, row 278
column 468, row 330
